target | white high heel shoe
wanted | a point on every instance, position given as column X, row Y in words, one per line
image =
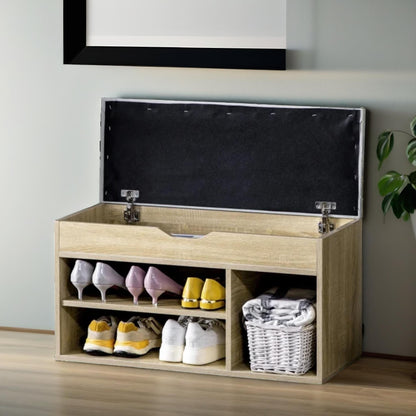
column 81, row 275
column 104, row 277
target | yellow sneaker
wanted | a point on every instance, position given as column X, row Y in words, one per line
column 101, row 335
column 192, row 293
column 212, row 295
column 137, row 336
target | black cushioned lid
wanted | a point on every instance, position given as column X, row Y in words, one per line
column 233, row 156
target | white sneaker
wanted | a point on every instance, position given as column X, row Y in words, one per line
column 205, row 342
column 173, row 339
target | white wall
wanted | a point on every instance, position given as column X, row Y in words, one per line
column 349, row 53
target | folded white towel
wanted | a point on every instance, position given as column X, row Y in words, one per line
column 269, row 309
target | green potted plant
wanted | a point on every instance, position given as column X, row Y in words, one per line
column 398, row 189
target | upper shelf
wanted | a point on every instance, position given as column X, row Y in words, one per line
column 164, row 307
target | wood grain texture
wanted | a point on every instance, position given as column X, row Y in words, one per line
column 339, row 308
column 217, row 249
column 164, row 307
column 200, row 221
column 33, row 384
column 241, row 287
column 247, row 247
column 68, row 326
column 58, row 289
column 149, row 361
column 95, row 213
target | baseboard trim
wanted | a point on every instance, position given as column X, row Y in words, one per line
column 33, row 331
column 388, row 356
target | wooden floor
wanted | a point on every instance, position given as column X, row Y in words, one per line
column 32, row 383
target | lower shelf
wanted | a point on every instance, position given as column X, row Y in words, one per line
column 151, row 362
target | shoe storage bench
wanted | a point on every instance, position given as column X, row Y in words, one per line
column 255, row 195
column 252, row 251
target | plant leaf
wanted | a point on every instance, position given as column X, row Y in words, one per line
column 391, row 182
column 411, row 152
column 396, row 206
column 413, row 126
column 384, row 146
column 386, row 203
column 412, row 179
column 407, row 198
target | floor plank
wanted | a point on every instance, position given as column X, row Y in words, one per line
column 32, row 383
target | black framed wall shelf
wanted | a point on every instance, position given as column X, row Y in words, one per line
column 78, row 51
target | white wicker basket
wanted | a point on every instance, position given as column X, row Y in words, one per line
column 288, row 350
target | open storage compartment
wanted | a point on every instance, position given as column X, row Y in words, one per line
column 248, row 248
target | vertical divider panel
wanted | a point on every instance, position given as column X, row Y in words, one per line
column 241, row 287
column 228, row 319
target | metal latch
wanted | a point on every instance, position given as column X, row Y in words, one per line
column 325, row 226
column 131, row 214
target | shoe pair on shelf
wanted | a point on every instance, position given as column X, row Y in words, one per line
column 103, row 276
column 208, row 295
column 133, row 338
column 192, row 341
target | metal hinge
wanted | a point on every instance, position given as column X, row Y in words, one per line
column 131, row 214
column 325, row 226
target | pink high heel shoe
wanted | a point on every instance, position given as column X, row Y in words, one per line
column 104, row 277
column 134, row 282
column 81, row 275
column 156, row 283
